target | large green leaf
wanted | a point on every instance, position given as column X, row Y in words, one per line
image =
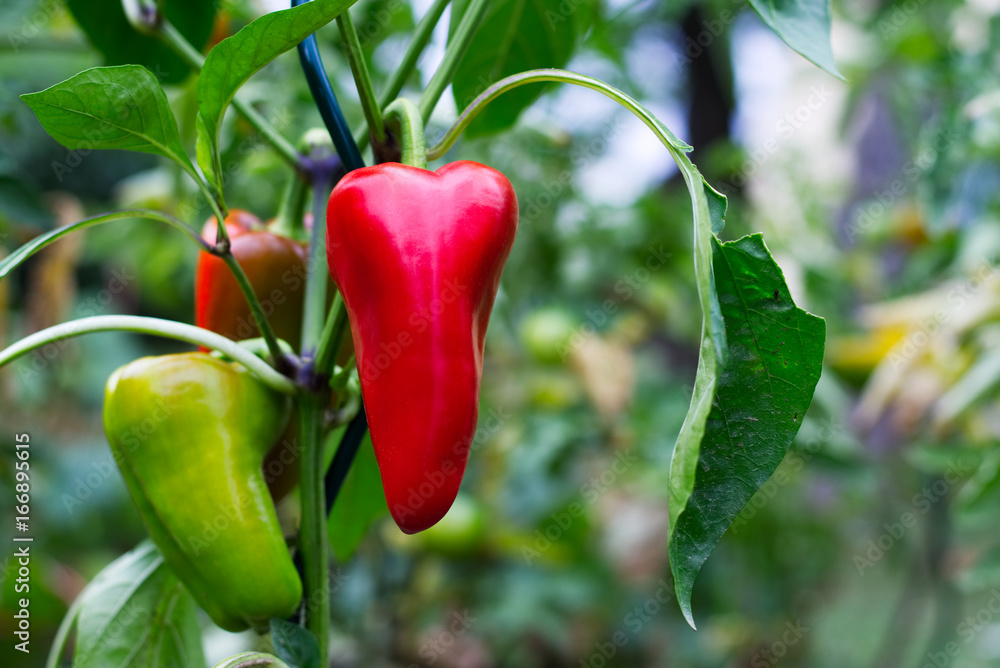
column 804, row 25
column 359, row 503
column 235, row 59
column 294, row 644
column 120, row 107
column 137, row 613
column 109, row 31
column 760, row 398
column 515, row 36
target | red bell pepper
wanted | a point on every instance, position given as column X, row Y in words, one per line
column 417, row 256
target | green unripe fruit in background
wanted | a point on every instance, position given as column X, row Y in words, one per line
column 461, row 531
column 546, row 334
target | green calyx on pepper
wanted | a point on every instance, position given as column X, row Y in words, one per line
column 189, row 433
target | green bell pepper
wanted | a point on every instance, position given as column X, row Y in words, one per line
column 189, row 433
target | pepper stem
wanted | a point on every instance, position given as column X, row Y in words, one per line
column 458, row 45
column 404, row 117
column 356, row 59
column 317, row 271
column 421, row 36
column 313, row 541
column 289, row 221
column 156, row 327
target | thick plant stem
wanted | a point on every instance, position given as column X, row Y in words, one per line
column 457, row 46
column 363, row 80
column 421, row 36
column 406, row 120
column 317, row 269
column 313, row 542
column 175, row 40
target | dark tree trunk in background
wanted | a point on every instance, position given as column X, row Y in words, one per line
column 710, row 86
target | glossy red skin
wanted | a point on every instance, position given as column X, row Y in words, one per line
column 276, row 268
column 417, row 256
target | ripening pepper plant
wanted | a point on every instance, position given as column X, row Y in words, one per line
column 363, row 307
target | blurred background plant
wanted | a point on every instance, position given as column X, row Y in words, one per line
column 876, row 541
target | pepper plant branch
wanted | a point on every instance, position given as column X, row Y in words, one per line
column 458, row 44
column 221, row 249
column 291, row 211
column 313, row 541
column 326, row 101
column 363, row 80
column 561, row 76
column 314, row 544
column 333, row 334
column 421, row 37
column 215, row 199
column 317, row 268
column 156, row 327
column 173, row 38
column 404, row 116
column 222, row 241
column 17, row 257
